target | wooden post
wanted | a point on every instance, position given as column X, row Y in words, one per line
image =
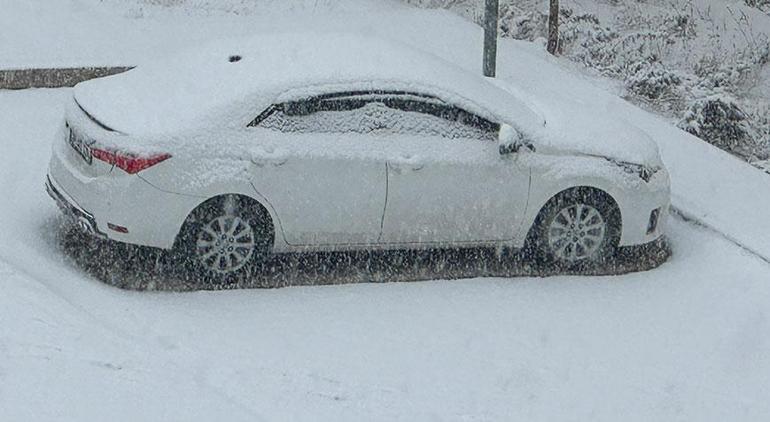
column 490, row 38
column 553, row 28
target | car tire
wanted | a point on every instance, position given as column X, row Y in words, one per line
column 576, row 230
column 225, row 240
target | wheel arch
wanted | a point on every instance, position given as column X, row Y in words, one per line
column 542, row 205
column 266, row 212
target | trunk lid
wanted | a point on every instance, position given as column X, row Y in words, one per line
column 77, row 138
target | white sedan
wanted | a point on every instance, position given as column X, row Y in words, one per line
column 290, row 142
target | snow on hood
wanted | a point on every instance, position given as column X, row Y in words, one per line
column 589, row 132
column 573, row 127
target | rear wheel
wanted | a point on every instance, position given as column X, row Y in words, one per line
column 225, row 244
column 225, row 239
column 577, row 229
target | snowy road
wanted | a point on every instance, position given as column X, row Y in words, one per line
column 687, row 341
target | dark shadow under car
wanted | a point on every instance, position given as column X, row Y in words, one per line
column 139, row 268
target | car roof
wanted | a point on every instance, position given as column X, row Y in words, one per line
column 239, row 78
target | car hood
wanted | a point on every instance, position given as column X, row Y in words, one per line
column 573, row 128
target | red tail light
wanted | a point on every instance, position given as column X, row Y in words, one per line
column 130, row 163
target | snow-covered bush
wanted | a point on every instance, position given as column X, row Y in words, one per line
column 523, row 25
column 737, row 71
column 719, row 121
column 759, row 116
column 763, row 5
column 584, row 39
column 655, row 83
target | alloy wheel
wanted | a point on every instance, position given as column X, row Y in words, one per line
column 225, row 244
column 577, row 233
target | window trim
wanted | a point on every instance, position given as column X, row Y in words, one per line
column 376, row 92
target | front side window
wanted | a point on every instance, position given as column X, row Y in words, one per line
column 376, row 113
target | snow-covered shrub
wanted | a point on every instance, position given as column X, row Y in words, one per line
column 654, row 82
column 584, row 39
column 719, row 121
column 616, row 53
column 523, row 25
column 711, row 73
column 582, row 36
column 735, row 71
column 680, row 25
column 763, row 5
column 759, row 116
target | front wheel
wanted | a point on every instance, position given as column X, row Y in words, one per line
column 577, row 229
column 225, row 239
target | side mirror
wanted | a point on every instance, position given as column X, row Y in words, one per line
column 509, row 140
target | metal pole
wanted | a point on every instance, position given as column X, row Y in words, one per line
column 490, row 38
column 553, row 28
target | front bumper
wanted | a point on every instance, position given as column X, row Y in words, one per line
column 644, row 210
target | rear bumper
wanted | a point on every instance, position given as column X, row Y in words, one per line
column 81, row 218
column 108, row 202
column 150, row 217
column 121, row 207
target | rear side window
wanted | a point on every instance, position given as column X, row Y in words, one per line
column 376, row 113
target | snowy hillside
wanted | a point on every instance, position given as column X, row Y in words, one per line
column 701, row 63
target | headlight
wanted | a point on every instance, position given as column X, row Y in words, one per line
column 644, row 172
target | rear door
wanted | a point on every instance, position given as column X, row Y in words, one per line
column 312, row 162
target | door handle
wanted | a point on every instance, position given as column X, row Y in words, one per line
column 263, row 158
column 406, row 161
column 262, row 161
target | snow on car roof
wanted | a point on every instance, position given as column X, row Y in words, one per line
column 236, row 79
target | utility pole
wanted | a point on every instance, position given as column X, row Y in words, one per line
column 553, row 28
column 490, row 38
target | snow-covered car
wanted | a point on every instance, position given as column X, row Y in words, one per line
column 289, row 142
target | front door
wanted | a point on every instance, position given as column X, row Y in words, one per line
column 447, row 181
column 455, row 191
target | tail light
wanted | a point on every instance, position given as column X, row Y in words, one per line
column 130, row 163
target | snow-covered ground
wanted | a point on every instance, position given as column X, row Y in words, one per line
column 687, row 341
column 61, row 33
